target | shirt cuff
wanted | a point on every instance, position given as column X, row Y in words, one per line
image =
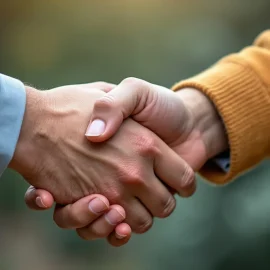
column 12, row 107
column 223, row 161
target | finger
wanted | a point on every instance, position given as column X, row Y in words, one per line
column 81, row 213
column 155, row 196
column 174, row 171
column 137, row 216
column 104, row 225
column 38, row 199
column 120, row 236
column 128, row 98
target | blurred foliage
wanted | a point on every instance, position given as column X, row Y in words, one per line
column 51, row 43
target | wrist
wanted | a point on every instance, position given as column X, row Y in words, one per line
column 206, row 121
column 26, row 153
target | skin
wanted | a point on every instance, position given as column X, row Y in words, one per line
column 186, row 120
column 126, row 169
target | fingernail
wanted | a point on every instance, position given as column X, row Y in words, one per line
column 98, row 206
column 96, row 128
column 40, row 202
column 119, row 236
column 114, row 217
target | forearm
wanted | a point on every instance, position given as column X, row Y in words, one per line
column 239, row 86
column 12, row 107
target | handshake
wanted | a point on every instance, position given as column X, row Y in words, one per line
column 113, row 157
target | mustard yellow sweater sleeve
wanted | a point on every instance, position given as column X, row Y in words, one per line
column 239, row 86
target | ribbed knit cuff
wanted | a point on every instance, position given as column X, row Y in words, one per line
column 243, row 103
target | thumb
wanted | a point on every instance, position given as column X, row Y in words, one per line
column 128, row 98
column 38, row 199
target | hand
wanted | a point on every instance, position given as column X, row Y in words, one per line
column 187, row 121
column 91, row 221
column 91, row 216
column 52, row 154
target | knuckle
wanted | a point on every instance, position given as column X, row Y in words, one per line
column 104, row 85
column 136, row 180
column 115, row 196
column 101, row 83
column 149, row 149
column 76, row 219
column 135, row 84
column 105, row 102
column 132, row 80
column 144, row 225
column 68, row 218
column 168, row 205
column 132, row 175
column 146, row 145
column 82, row 233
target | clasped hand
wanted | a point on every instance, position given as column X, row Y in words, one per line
column 142, row 145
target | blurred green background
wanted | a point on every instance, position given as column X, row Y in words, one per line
column 51, row 43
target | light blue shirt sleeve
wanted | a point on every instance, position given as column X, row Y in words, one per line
column 12, row 107
column 223, row 161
